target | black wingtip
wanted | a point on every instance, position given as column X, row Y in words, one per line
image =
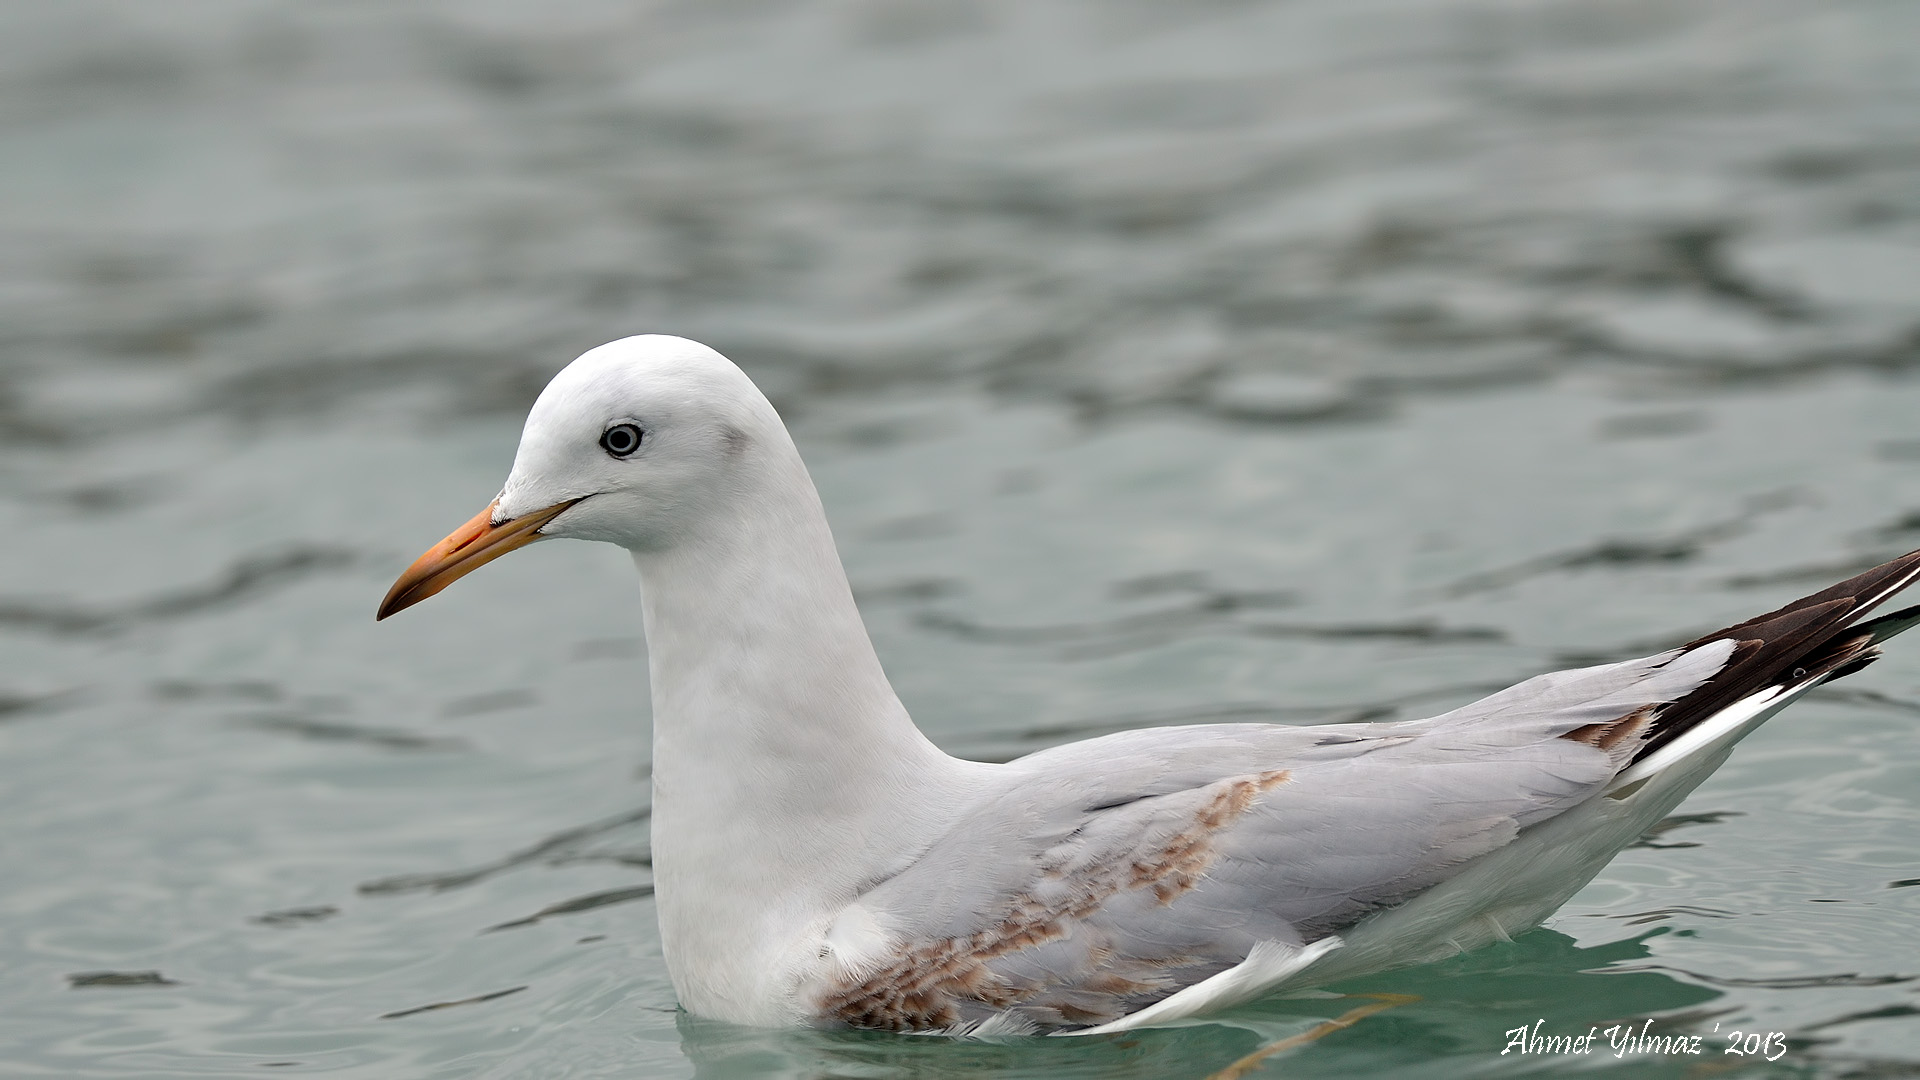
column 1819, row 636
column 1860, row 593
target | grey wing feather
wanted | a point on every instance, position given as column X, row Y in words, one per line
column 1093, row 879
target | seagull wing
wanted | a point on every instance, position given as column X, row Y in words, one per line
column 1095, row 881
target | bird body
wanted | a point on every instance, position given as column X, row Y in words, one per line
column 819, row 861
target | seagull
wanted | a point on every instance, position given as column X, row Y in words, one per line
column 819, row 862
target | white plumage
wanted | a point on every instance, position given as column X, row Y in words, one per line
column 818, row 861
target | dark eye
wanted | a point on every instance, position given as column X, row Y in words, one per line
column 621, row 440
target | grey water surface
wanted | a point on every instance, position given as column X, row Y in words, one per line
column 1325, row 360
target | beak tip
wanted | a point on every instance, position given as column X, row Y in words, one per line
column 477, row 542
column 402, row 596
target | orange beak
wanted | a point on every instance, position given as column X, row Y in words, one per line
column 468, row 548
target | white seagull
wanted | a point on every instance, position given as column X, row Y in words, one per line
column 819, row 862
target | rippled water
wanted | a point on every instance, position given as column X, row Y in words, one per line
column 1279, row 361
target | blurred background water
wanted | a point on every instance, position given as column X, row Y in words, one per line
column 1271, row 361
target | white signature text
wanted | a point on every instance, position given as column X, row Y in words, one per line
column 1623, row 1039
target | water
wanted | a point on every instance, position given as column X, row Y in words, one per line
column 1267, row 361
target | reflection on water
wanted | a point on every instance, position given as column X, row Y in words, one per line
column 1273, row 362
column 1456, row 1027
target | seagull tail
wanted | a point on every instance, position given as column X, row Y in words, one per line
column 1816, row 638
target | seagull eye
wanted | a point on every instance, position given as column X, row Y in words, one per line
column 621, row 440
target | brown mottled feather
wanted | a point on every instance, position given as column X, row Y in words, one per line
column 923, row 987
column 1611, row 734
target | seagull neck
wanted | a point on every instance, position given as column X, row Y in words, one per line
column 787, row 776
column 761, row 666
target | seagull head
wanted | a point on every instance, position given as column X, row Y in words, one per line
column 641, row 442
